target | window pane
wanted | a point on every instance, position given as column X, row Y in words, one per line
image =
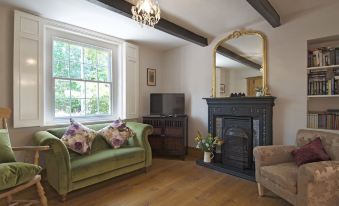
column 91, row 98
column 62, row 89
column 103, row 73
column 91, row 106
column 75, row 70
column 90, row 56
column 103, row 58
column 78, row 89
column 78, row 107
column 78, row 96
column 75, row 53
column 91, row 90
column 60, row 51
column 104, row 98
column 60, row 69
column 62, row 107
column 90, row 72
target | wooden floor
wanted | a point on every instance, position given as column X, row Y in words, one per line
column 168, row 183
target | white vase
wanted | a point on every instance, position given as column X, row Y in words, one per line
column 208, row 156
column 258, row 94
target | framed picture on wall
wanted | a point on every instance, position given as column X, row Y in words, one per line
column 151, row 77
column 222, row 88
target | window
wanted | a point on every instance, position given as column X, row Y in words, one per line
column 82, row 79
column 62, row 71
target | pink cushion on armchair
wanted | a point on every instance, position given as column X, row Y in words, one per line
column 311, row 152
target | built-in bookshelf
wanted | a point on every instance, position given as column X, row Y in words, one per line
column 323, row 83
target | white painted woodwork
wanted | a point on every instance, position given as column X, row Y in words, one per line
column 131, row 81
column 27, row 72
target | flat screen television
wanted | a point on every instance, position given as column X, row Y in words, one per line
column 167, row 104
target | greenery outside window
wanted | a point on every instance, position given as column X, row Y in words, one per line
column 82, row 79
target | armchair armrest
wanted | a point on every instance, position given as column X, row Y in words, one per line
column 318, row 183
column 35, row 149
column 58, row 163
column 271, row 155
column 141, row 138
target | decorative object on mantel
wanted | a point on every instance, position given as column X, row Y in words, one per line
column 222, row 88
column 151, row 77
column 207, row 144
column 146, row 12
column 238, row 94
column 259, row 92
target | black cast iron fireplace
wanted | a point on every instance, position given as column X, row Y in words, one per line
column 237, row 136
column 242, row 123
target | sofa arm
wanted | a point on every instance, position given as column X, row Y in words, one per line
column 141, row 138
column 271, row 155
column 57, row 161
column 318, row 184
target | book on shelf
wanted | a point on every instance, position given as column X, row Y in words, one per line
column 324, row 56
column 323, row 120
column 323, row 82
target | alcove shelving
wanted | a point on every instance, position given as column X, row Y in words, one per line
column 323, row 83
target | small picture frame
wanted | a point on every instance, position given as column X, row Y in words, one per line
column 151, row 77
column 222, row 88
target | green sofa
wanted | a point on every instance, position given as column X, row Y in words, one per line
column 68, row 171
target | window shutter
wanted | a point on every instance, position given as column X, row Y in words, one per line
column 131, row 97
column 27, row 73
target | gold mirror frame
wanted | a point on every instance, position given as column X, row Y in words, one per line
column 264, row 68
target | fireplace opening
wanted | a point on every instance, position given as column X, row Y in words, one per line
column 238, row 142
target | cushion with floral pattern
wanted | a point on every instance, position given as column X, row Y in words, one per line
column 78, row 137
column 117, row 133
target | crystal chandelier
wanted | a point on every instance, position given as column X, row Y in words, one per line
column 146, row 12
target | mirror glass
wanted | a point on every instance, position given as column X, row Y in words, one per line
column 239, row 62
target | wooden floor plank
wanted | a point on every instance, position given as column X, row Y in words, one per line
column 169, row 183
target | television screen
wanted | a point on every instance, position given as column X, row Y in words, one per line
column 167, row 104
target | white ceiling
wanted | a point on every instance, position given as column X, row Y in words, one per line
column 87, row 15
column 209, row 18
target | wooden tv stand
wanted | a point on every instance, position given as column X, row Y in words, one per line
column 169, row 135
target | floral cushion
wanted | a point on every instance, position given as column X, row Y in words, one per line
column 79, row 138
column 116, row 133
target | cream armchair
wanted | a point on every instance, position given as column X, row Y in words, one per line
column 312, row 184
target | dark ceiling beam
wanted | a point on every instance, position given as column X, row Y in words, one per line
column 236, row 57
column 266, row 10
column 124, row 8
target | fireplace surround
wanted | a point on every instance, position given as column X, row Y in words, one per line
column 243, row 123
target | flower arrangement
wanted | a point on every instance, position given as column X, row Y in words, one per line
column 259, row 89
column 207, row 143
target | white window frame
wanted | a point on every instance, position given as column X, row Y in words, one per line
column 53, row 33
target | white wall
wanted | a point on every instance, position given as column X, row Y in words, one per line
column 149, row 59
column 189, row 70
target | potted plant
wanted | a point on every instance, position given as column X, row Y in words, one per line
column 207, row 144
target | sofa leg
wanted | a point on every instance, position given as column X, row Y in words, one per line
column 260, row 190
column 63, row 197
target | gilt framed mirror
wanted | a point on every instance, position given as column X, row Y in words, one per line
column 240, row 65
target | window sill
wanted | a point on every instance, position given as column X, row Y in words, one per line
column 66, row 121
